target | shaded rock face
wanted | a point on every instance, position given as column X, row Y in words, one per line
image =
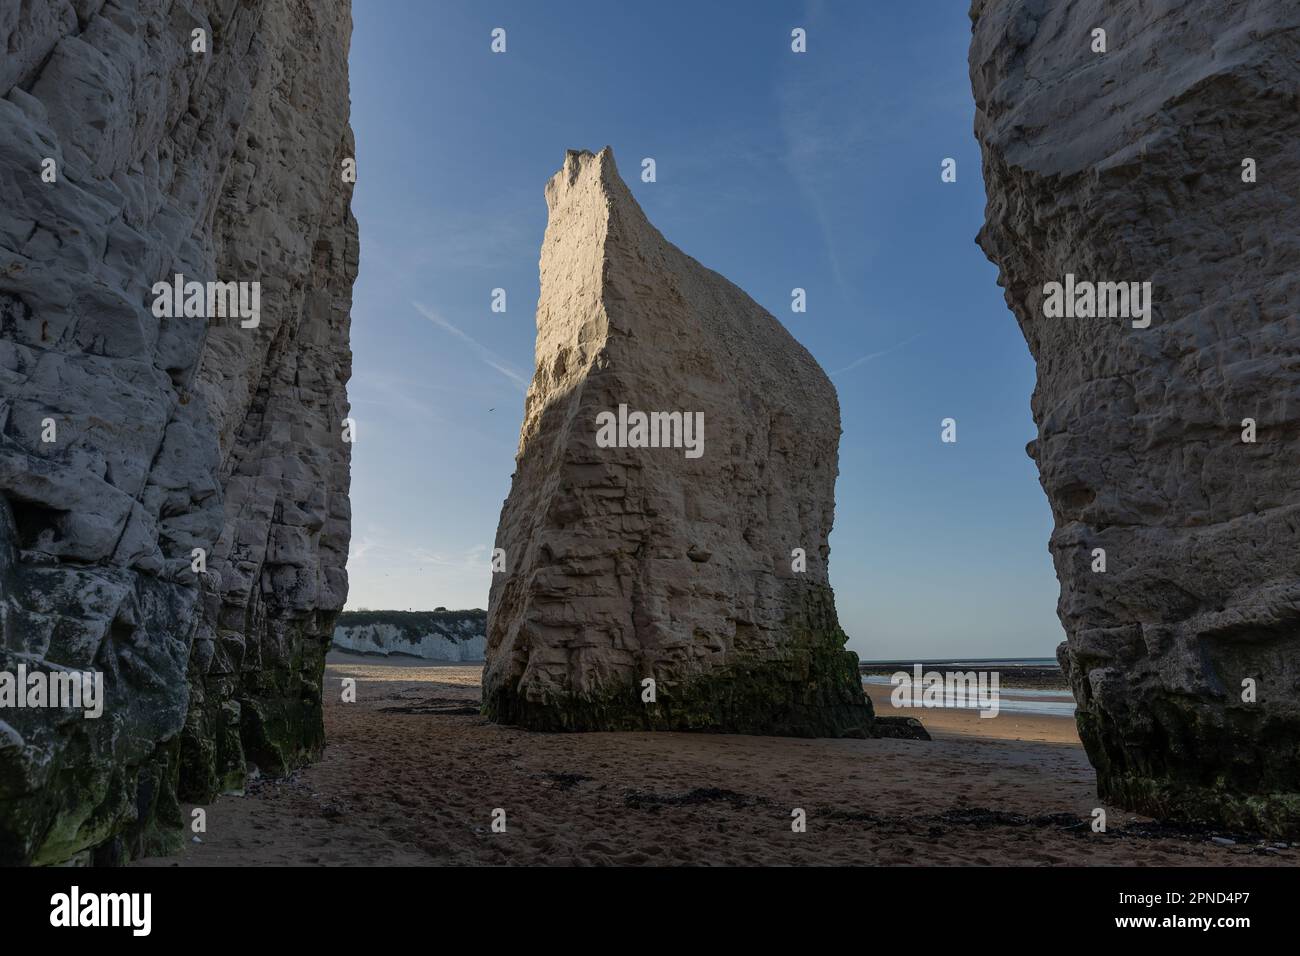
column 669, row 563
column 170, row 434
column 1127, row 166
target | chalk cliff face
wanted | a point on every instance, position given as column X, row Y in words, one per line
column 449, row 636
column 680, row 563
column 127, row 441
column 1127, row 165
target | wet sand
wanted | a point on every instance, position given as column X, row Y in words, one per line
column 412, row 775
column 948, row 723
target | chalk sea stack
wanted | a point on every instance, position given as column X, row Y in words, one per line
column 169, row 434
column 1129, row 165
column 678, row 563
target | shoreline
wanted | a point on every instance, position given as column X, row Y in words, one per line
column 942, row 722
column 1026, row 677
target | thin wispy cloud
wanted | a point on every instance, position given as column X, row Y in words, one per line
column 360, row 547
column 870, row 356
column 485, row 354
column 826, row 147
column 380, row 549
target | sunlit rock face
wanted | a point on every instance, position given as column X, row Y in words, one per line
column 699, row 564
column 1130, row 165
column 170, row 434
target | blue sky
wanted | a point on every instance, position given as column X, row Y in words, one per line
column 817, row 170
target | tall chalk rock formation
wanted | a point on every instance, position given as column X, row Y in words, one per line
column 672, row 563
column 128, row 441
column 1127, row 166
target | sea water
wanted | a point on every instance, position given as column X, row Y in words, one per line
column 1045, row 703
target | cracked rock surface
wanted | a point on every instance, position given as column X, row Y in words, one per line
column 171, row 434
column 1127, row 166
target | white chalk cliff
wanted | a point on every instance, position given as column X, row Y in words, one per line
column 169, row 434
column 442, row 636
column 1171, row 157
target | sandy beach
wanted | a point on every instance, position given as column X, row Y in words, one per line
column 412, row 775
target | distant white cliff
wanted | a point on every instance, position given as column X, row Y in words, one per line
column 448, row 636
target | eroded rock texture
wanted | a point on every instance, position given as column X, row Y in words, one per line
column 626, row 563
column 172, row 434
column 1127, row 166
